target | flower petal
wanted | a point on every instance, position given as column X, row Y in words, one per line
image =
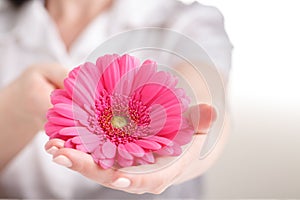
column 86, row 84
column 148, row 144
column 134, row 149
column 86, row 139
column 161, row 140
column 124, row 153
column 124, row 162
column 69, row 131
column 61, row 121
column 97, row 153
column 82, row 147
column 158, row 118
column 149, row 157
column 106, row 163
column 64, row 110
column 69, row 144
column 51, row 128
column 140, row 161
column 144, row 73
column 109, row 149
column 117, row 68
column 173, row 150
column 69, row 86
column 60, row 96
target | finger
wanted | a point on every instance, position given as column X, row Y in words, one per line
column 53, row 145
column 202, row 116
column 154, row 178
column 84, row 164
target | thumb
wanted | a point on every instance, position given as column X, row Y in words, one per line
column 202, row 117
column 79, row 161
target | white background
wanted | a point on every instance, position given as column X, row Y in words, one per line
column 262, row 157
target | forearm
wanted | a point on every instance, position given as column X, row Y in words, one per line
column 14, row 133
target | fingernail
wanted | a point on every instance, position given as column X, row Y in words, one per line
column 60, row 143
column 62, row 160
column 121, row 183
column 52, row 150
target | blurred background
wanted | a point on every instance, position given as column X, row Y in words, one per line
column 262, row 157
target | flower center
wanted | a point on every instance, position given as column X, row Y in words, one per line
column 122, row 119
column 118, row 121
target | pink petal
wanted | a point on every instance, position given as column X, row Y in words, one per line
column 166, row 151
column 128, row 71
column 61, row 121
column 162, row 140
column 69, row 131
column 69, row 86
column 82, row 147
column 64, row 110
column 109, row 149
column 60, row 96
column 174, row 150
column 184, row 136
column 104, row 61
column 124, row 153
column 74, row 72
column 86, row 140
column 126, row 63
column 134, row 149
column 124, row 162
column 89, row 109
column 148, row 157
column 69, row 144
column 177, row 149
column 148, row 144
column 185, row 100
column 51, row 128
column 140, row 161
column 116, row 70
column 97, row 153
column 145, row 72
column 124, row 85
column 89, row 144
column 60, row 99
column 158, row 118
column 86, row 86
column 170, row 130
column 148, row 96
column 106, row 163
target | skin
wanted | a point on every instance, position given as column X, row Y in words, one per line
column 25, row 115
column 24, row 109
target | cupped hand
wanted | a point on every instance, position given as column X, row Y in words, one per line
column 154, row 178
column 29, row 95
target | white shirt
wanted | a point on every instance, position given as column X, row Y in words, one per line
column 29, row 36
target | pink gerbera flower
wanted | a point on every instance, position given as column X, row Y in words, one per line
column 120, row 112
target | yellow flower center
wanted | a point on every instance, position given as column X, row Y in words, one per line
column 118, row 121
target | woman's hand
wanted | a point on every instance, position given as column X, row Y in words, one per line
column 23, row 106
column 186, row 167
